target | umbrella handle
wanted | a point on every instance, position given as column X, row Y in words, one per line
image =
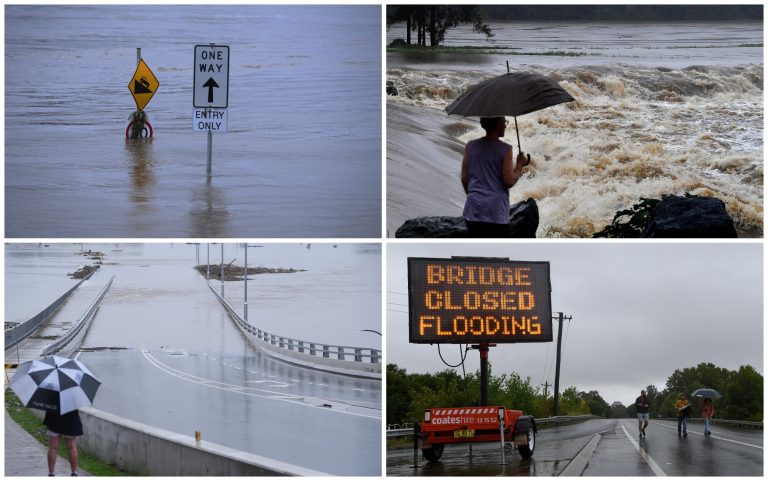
column 518, row 136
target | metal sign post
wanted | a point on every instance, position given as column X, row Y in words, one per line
column 210, row 152
column 501, row 434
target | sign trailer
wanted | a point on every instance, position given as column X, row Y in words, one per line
column 481, row 302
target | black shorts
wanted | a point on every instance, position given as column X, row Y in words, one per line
column 486, row 229
column 68, row 425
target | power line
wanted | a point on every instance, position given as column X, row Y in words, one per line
column 395, row 310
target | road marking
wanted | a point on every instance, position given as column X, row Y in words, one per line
column 713, row 437
column 646, row 457
column 579, row 462
column 247, row 391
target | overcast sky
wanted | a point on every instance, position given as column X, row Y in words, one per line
column 640, row 311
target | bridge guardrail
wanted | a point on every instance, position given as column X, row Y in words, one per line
column 84, row 320
column 727, row 422
column 358, row 355
column 406, row 429
column 21, row 331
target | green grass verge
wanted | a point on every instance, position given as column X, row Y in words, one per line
column 34, row 426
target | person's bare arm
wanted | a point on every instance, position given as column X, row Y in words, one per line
column 465, row 172
column 511, row 170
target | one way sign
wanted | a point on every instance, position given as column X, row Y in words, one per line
column 211, row 80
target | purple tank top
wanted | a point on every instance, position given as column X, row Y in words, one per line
column 487, row 196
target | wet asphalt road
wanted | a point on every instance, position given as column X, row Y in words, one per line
column 727, row 452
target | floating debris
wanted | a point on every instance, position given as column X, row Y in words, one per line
column 235, row 273
column 99, row 349
column 82, row 272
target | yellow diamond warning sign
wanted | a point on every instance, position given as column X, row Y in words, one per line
column 143, row 85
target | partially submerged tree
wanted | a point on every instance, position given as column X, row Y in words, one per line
column 435, row 20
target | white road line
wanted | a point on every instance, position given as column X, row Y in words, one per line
column 713, row 437
column 274, row 396
column 646, row 457
column 200, row 380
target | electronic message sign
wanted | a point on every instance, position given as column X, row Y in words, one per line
column 471, row 300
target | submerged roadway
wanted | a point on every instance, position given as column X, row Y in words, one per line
column 168, row 356
column 618, row 452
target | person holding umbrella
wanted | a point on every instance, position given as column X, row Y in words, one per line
column 59, row 386
column 707, row 411
column 487, row 170
column 487, row 174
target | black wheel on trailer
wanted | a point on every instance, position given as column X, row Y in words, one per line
column 526, row 450
column 434, row 453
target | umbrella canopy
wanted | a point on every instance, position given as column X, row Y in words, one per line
column 54, row 383
column 706, row 392
column 517, row 93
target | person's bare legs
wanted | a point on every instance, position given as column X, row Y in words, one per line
column 53, row 450
column 72, row 448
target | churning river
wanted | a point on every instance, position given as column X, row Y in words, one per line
column 661, row 108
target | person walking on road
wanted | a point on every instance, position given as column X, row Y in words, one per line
column 642, row 404
column 683, row 413
column 707, row 411
column 69, row 426
column 487, row 174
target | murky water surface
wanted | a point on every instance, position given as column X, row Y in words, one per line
column 302, row 157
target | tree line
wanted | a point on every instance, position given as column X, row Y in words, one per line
column 409, row 394
column 742, row 392
column 433, row 21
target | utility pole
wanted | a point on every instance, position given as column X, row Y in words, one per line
column 245, row 302
column 222, row 270
column 560, row 318
column 546, row 387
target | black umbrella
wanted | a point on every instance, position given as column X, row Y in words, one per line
column 514, row 94
column 54, row 383
column 706, row 392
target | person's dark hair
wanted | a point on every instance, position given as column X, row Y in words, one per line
column 489, row 123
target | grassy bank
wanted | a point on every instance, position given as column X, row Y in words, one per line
column 34, row 426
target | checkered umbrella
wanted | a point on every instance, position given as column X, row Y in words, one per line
column 54, row 383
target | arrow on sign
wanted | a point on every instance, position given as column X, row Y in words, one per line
column 210, row 83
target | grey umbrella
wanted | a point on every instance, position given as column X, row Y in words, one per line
column 706, row 392
column 514, row 94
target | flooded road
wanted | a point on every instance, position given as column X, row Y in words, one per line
column 728, row 452
column 302, row 157
column 169, row 356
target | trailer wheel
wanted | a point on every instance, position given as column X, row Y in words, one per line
column 526, row 450
column 434, row 453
